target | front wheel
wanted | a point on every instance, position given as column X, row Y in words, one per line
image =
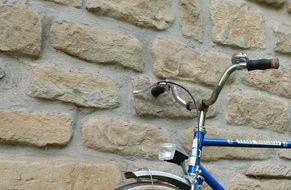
column 147, row 186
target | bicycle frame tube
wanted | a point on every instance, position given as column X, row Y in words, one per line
column 210, row 180
column 197, row 145
column 246, row 143
column 195, row 171
column 194, row 161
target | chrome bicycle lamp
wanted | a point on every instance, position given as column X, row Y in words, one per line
column 167, row 151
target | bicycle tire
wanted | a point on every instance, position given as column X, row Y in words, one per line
column 147, row 186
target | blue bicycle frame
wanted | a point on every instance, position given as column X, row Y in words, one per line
column 195, row 168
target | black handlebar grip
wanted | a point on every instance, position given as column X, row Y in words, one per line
column 157, row 90
column 262, row 64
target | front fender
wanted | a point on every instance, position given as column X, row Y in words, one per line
column 177, row 181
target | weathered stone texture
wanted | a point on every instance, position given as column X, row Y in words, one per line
column 97, row 45
column 38, row 129
column 216, row 153
column 164, row 105
column 191, row 19
column 78, row 88
column 2, row 73
column 257, row 110
column 234, row 24
column 52, row 176
column 122, row 137
column 283, row 38
column 20, row 30
column 145, row 13
column 241, row 182
column 269, row 170
column 285, row 154
column 176, row 60
column 273, row 81
column 274, row 3
column 74, row 3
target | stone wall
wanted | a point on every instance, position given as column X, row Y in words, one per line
column 68, row 119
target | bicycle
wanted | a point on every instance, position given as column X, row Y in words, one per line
column 196, row 174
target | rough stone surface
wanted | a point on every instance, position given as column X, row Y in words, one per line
column 257, row 110
column 234, row 24
column 97, row 45
column 114, row 44
column 285, row 154
column 164, row 105
column 38, row 129
column 191, row 19
column 269, row 170
column 122, row 137
column 2, row 73
column 145, row 13
column 283, row 38
column 216, row 153
column 176, row 60
column 20, row 30
column 274, row 3
column 273, row 81
column 63, row 176
column 241, row 182
column 74, row 3
column 78, row 88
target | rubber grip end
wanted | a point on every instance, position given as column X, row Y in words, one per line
column 275, row 63
column 157, row 90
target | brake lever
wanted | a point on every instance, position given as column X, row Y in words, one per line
column 168, row 87
column 176, row 95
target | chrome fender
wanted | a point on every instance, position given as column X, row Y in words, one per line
column 177, row 181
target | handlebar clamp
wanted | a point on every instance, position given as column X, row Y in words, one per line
column 238, row 58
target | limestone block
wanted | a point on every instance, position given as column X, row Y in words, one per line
column 51, row 176
column 38, row 129
column 282, row 37
column 235, row 24
column 78, row 88
column 123, row 137
column 273, row 81
column 191, row 19
column 269, row 170
column 257, row 110
column 285, row 154
column 97, row 45
column 146, row 13
column 175, row 60
column 20, row 30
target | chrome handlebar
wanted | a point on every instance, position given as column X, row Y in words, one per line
column 239, row 62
